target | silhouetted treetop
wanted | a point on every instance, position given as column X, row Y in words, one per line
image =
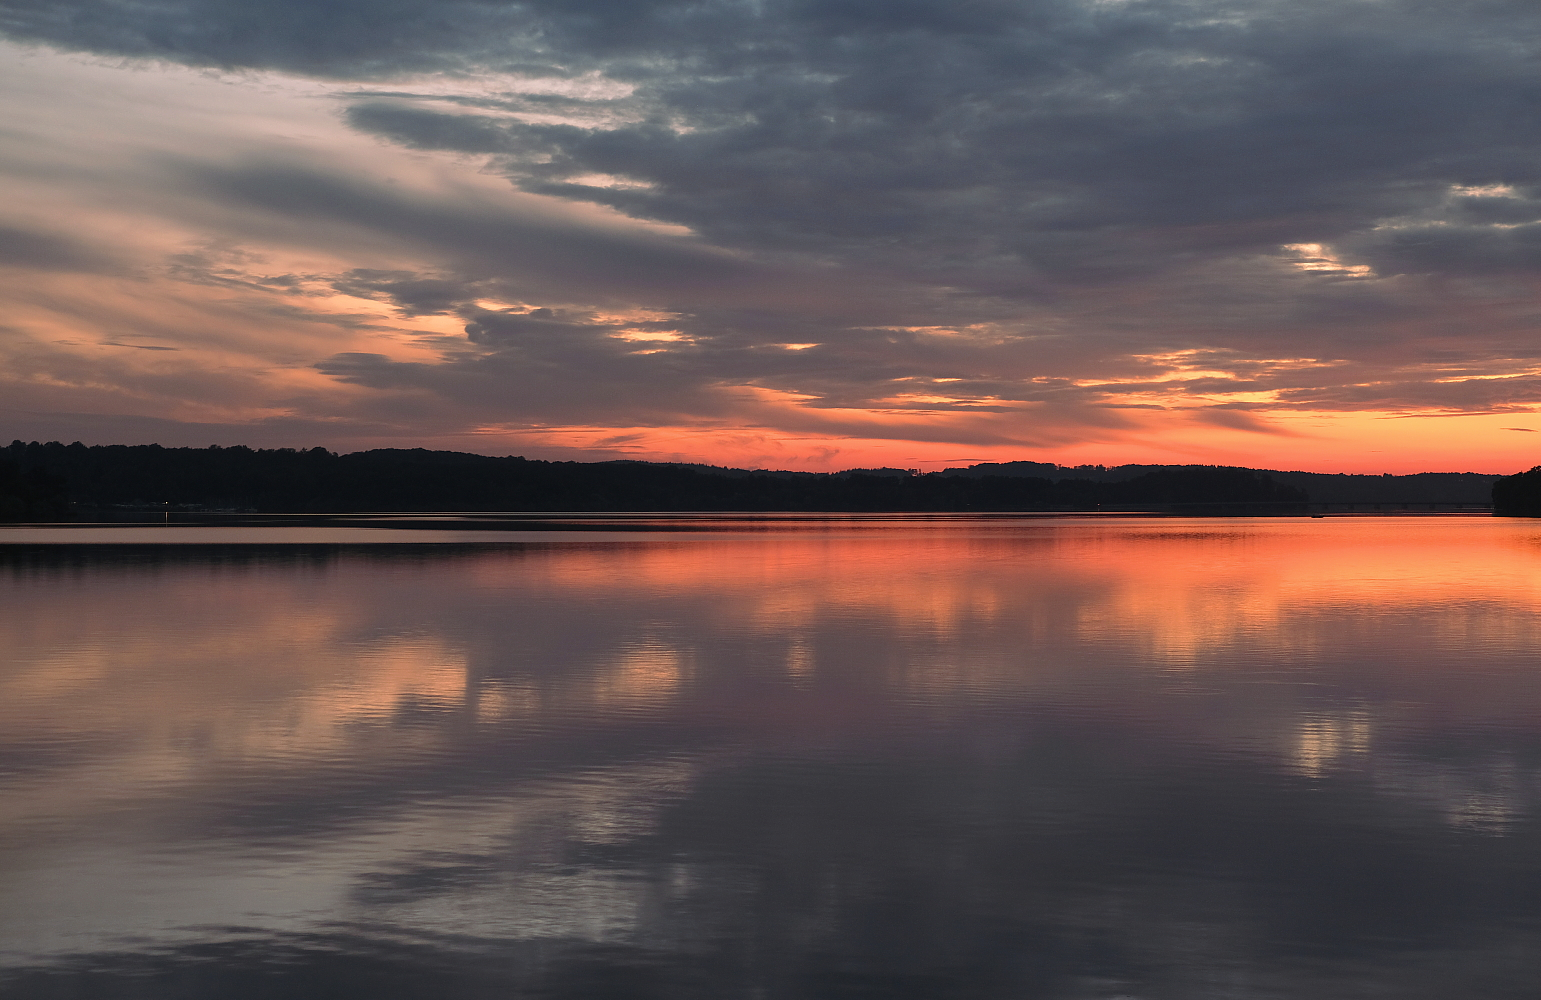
column 415, row 479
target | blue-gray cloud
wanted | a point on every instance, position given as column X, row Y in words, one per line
column 43, row 251
column 1080, row 186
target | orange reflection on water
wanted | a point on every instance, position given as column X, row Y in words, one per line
column 182, row 667
column 1172, row 589
column 398, row 713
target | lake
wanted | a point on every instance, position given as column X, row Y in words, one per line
column 1068, row 758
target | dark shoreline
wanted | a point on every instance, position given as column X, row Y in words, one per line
column 55, row 482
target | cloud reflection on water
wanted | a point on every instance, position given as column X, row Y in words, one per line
column 1127, row 755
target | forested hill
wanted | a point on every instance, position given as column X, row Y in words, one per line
column 318, row 481
column 1322, row 487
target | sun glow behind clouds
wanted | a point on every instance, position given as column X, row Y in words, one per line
column 1313, row 257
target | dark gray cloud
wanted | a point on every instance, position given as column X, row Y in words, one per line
column 28, row 248
column 350, row 39
column 1078, row 139
column 419, row 128
column 915, row 206
column 483, row 241
column 413, row 294
column 1076, row 142
column 1450, row 248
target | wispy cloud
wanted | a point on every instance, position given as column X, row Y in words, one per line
column 1015, row 226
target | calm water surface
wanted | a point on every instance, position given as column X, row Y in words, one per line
column 959, row 759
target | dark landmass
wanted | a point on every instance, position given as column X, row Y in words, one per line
column 1321, row 487
column 393, row 480
column 1518, row 495
column 31, row 495
column 41, row 481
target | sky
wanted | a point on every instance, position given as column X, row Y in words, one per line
column 801, row 234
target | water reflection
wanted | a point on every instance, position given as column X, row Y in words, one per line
column 1070, row 759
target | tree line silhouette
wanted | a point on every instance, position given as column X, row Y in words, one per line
column 42, row 481
column 1519, row 495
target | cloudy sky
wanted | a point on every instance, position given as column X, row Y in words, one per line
column 791, row 233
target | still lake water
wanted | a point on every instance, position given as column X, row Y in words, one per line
column 955, row 758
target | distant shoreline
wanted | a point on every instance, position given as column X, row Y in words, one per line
column 54, row 482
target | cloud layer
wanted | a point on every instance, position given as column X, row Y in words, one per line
column 1214, row 229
